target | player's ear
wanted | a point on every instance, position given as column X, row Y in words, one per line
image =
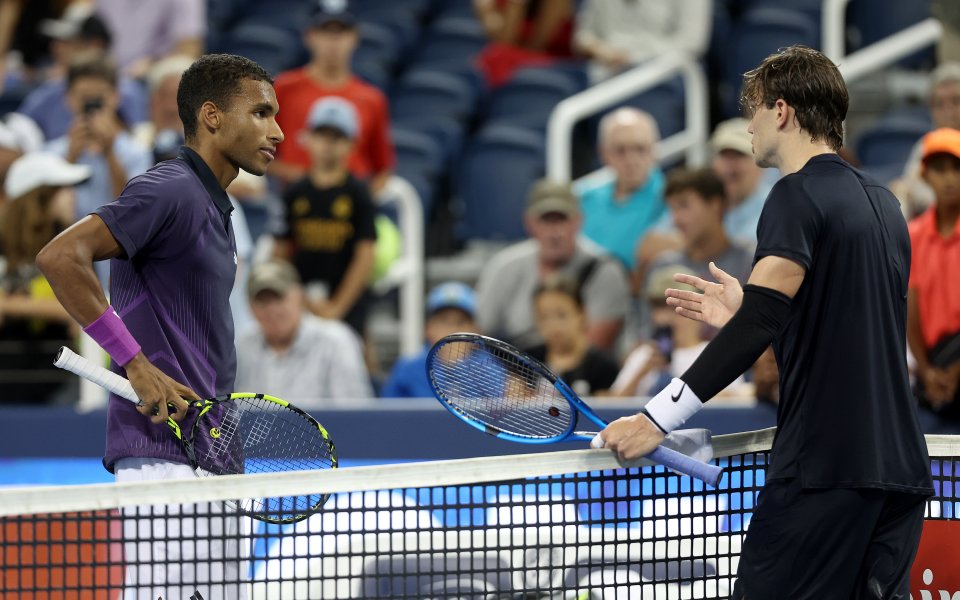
column 210, row 116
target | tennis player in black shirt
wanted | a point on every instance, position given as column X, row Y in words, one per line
column 841, row 513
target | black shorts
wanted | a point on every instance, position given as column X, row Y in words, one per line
column 828, row 544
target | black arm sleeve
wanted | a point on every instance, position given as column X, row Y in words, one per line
column 740, row 343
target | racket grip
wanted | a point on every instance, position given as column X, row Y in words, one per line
column 682, row 463
column 68, row 360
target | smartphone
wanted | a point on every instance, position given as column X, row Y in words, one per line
column 663, row 338
column 92, row 105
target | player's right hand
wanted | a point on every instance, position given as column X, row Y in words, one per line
column 157, row 391
column 714, row 304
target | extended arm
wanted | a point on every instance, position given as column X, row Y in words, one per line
column 766, row 302
column 67, row 263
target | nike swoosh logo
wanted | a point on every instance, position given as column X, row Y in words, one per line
column 677, row 397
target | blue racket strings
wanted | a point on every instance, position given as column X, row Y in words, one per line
column 499, row 389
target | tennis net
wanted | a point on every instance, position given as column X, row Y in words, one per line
column 570, row 524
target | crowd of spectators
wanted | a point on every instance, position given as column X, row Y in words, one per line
column 584, row 292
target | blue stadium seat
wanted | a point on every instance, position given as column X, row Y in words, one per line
column 888, row 143
column 403, row 25
column 426, row 188
column 378, row 44
column 665, row 104
column 290, row 15
column 811, row 8
column 275, row 49
column 456, row 9
column 432, row 93
column 757, row 34
column 417, row 8
column 869, row 21
column 529, row 97
column 373, row 72
column 451, row 39
column 417, row 151
column 497, row 169
column 446, row 131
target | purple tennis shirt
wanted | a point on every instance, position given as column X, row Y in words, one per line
column 172, row 289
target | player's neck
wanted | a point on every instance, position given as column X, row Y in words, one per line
column 797, row 152
column 224, row 170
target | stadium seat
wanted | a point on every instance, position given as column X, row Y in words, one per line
column 665, row 104
column 451, row 39
column 426, row 189
column 811, row 8
column 403, row 25
column 496, row 171
column 446, row 131
column 432, row 93
column 417, row 151
column 416, row 8
column 529, row 97
column 275, row 49
column 888, row 143
column 378, row 44
column 869, row 21
column 757, row 34
column 373, row 72
column 289, row 15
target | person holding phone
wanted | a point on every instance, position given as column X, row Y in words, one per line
column 98, row 139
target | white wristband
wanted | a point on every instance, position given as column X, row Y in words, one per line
column 673, row 405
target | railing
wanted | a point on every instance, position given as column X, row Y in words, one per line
column 406, row 273
column 691, row 141
column 889, row 50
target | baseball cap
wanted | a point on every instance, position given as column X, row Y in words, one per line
column 941, row 141
column 661, row 278
column 37, row 169
column 273, row 275
column 452, row 294
column 332, row 11
column 732, row 134
column 548, row 196
column 78, row 22
column 334, row 112
column 21, row 133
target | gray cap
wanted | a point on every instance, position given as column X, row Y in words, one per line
column 273, row 275
column 549, row 196
column 336, row 113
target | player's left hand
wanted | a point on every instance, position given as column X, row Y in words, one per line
column 632, row 437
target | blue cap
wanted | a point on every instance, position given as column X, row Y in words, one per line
column 452, row 294
column 334, row 112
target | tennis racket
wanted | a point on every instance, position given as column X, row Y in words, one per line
column 504, row 392
column 238, row 433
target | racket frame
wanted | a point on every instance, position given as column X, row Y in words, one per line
column 677, row 461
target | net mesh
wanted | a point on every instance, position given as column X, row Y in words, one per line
column 638, row 532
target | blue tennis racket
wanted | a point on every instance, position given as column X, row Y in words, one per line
column 492, row 386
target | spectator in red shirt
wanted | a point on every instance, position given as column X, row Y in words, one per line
column 933, row 297
column 331, row 39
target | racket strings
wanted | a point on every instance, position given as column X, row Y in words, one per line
column 256, row 435
column 498, row 388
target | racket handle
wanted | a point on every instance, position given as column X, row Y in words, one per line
column 68, row 360
column 682, row 463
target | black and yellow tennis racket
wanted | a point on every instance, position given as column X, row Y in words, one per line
column 238, row 433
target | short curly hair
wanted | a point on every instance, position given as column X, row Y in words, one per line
column 213, row 78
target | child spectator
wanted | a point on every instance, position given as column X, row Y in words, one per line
column 329, row 231
column 562, row 322
column 451, row 307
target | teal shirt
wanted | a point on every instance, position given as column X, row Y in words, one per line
column 618, row 226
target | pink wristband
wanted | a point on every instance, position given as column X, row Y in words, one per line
column 113, row 336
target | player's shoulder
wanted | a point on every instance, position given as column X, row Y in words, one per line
column 171, row 179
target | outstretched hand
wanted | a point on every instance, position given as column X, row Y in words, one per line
column 716, row 301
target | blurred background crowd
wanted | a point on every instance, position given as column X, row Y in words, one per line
column 454, row 98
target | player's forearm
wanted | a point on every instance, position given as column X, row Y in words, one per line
column 355, row 280
column 67, row 264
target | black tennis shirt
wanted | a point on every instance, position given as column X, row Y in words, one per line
column 846, row 416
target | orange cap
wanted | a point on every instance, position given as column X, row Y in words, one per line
column 941, row 141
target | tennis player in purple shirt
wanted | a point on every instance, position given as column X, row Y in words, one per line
column 168, row 327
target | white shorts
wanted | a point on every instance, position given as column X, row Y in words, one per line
column 172, row 554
